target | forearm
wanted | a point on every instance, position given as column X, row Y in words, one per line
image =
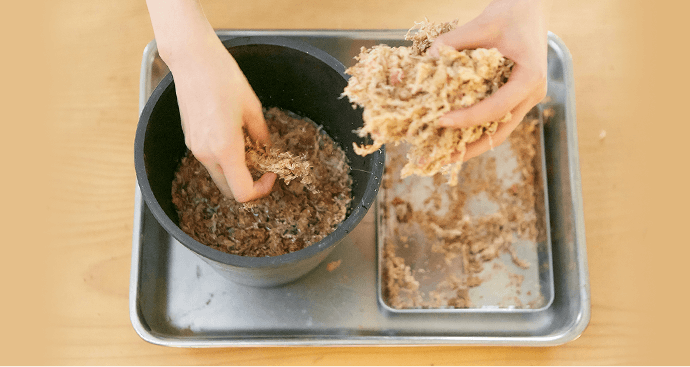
column 181, row 30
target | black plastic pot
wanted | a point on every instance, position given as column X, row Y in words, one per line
column 284, row 73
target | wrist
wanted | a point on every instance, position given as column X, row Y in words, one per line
column 189, row 49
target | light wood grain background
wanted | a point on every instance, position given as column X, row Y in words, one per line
column 70, row 102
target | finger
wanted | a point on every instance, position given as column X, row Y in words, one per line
column 486, row 143
column 236, row 182
column 249, row 190
column 253, row 120
column 239, row 181
column 264, row 185
column 237, row 175
column 218, row 178
column 470, row 35
column 519, row 86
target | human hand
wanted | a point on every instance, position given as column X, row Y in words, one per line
column 216, row 103
column 517, row 28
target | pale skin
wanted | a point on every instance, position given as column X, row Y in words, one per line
column 216, row 101
column 517, row 28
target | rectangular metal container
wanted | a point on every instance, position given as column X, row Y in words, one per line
column 178, row 300
column 498, row 292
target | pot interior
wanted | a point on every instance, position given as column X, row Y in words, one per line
column 281, row 77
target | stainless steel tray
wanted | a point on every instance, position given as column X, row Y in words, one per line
column 177, row 300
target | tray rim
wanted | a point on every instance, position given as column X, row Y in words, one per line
column 575, row 329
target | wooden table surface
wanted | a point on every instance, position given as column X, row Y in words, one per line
column 69, row 178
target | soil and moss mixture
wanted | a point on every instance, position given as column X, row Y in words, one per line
column 309, row 199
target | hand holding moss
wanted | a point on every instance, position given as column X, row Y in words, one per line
column 517, row 28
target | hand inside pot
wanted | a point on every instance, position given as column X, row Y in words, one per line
column 216, row 101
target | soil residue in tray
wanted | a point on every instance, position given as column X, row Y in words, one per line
column 464, row 242
column 308, row 201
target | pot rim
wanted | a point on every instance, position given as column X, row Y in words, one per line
column 344, row 228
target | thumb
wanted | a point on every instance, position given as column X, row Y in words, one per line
column 470, row 35
column 254, row 121
column 232, row 169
